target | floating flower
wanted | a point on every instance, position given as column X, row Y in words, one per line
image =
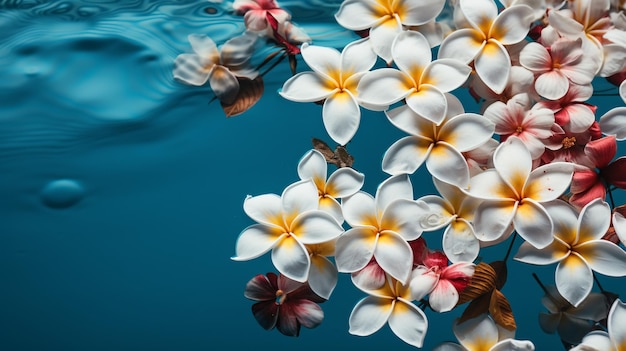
column 334, row 79
column 220, row 69
column 515, row 195
column 482, row 334
column 419, row 80
column 483, row 42
column 255, row 13
column 578, row 248
column 615, row 339
column 285, row 224
column 390, row 304
column 284, row 304
column 386, row 18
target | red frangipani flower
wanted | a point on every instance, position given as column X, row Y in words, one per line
column 284, row 303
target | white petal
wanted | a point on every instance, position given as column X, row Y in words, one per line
column 314, row 227
column 313, row 166
column 493, row 65
column 513, row 162
column 619, row 224
column 360, row 210
column 614, row 122
column 290, row 258
column 622, row 90
column 410, row 51
column 535, row 57
column 384, row 87
column 299, row 197
column 357, row 14
column 462, row 44
column 475, row 332
column 467, row 131
column 549, row 181
column 573, row 279
column 331, row 206
column 237, row 51
column 354, row 249
column 490, row 186
column 446, row 74
column 382, row 36
column 254, row 241
column 444, row 297
column 322, row 60
column 341, row 115
column 416, row 13
column 410, row 122
column 423, row 282
column 405, row 217
column 406, row 155
column 448, row 165
column 595, row 341
column 460, row 243
column 512, row 24
column 494, row 220
column 344, row 182
column 392, row 188
column 369, row 315
column 204, row 46
column 191, row 69
column 554, row 252
column 565, row 25
column 617, row 328
column 358, row 56
column 266, row 209
column 594, row 220
column 552, row 85
column 306, row 87
column 322, row 276
column 440, row 215
column 604, row 257
column 224, row 84
column 394, row 255
column 533, row 223
column 429, row 102
column 513, row 345
column 409, row 323
column 584, row 117
column 477, row 12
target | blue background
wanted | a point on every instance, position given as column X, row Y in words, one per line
column 121, row 190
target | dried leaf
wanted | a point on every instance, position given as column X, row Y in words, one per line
column 477, row 307
column 343, row 157
column 483, row 282
column 500, row 310
column 501, row 273
column 340, row 157
column 250, row 91
column 322, row 147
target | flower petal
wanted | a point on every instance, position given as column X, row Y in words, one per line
column 321, row 59
column 191, row 69
column 479, row 13
column 384, row 87
column 322, row 276
column 357, row 56
column 307, row 87
column 341, row 115
column 290, row 258
column 448, row 165
column 459, row 242
column 417, row 13
column 494, row 220
column 617, row 329
column 604, row 257
column 554, row 252
column 313, row 166
column 573, row 279
column 408, row 322
column 372, row 277
column 444, row 297
column 596, row 340
column 533, row 223
column 344, row 182
column 299, row 197
column 512, row 24
column 405, row 217
column 360, row 210
column 493, row 65
column 394, row 255
column 265, row 209
column 369, row 315
column 354, row 249
column 314, row 227
column 259, row 288
column 393, row 188
column 619, row 224
column 513, row 162
column 308, row 313
column 266, row 314
column 256, row 240
column 614, row 122
column 423, row 281
column 477, row 332
column 513, row 345
column 224, row 84
column 594, row 220
column 552, row 85
column 410, row 122
column 406, row 155
column 383, row 35
column 462, row 44
column 358, row 14
column 467, row 131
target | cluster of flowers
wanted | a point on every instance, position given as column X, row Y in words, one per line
column 531, row 69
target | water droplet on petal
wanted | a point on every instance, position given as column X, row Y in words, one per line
column 62, row 193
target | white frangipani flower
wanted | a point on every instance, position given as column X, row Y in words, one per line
column 615, row 339
column 334, row 79
column 514, row 195
column 419, row 80
column 386, row 18
column 482, row 334
column 343, row 182
column 578, row 248
column 483, row 42
column 381, row 227
column 286, row 224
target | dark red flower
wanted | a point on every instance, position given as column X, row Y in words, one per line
column 284, row 303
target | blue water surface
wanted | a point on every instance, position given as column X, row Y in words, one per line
column 121, row 189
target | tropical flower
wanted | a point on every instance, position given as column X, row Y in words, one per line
column 455, row 210
column 439, row 146
column 615, row 339
column 343, row 182
column 571, row 323
column 381, row 227
column 419, row 80
column 578, row 248
column 323, row 274
column 255, row 13
column 220, row 69
column 334, row 79
column 515, row 195
column 571, row 111
column 483, row 42
column 442, row 282
column 286, row 224
column 386, row 18
column 283, row 303
column 482, row 334
column 390, row 304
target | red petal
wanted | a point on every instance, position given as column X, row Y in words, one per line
column 309, row 314
column 615, row 173
column 266, row 313
column 581, row 199
column 418, row 246
column 436, row 259
column 287, row 322
column 583, row 180
column 260, row 288
column 370, row 277
column 601, row 151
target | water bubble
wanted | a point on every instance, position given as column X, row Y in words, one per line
column 62, row 193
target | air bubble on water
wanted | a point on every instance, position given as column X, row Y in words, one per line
column 62, row 193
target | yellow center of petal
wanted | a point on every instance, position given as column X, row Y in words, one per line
column 568, row 142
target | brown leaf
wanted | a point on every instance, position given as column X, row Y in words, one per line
column 500, row 310
column 477, row 307
column 501, row 273
column 322, row 147
column 250, row 91
column 483, row 282
column 344, row 159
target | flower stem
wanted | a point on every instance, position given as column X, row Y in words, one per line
column 508, row 251
column 545, row 290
